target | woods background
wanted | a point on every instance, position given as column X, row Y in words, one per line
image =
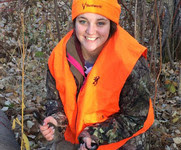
column 30, row 29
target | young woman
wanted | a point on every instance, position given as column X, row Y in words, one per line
column 98, row 82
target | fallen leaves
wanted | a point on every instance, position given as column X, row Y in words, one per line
column 177, row 140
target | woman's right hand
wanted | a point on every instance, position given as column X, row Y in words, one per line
column 48, row 132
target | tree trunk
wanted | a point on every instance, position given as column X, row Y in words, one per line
column 179, row 90
column 171, row 18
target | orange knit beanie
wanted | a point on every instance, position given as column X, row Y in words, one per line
column 108, row 8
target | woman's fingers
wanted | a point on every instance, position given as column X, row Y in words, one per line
column 87, row 141
column 86, row 144
column 50, row 119
column 48, row 132
column 50, row 135
column 44, row 127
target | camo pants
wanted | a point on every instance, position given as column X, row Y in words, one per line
column 139, row 142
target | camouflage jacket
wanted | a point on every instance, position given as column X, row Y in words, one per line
column 133, row 102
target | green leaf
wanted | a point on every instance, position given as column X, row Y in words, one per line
column 39, row 54
column 10, row 105
column 175, row 119
column 101, row 130
column 149, row 1
column 172, row 88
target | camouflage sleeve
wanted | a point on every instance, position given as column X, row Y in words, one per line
column 134, row 105
column 53, row 104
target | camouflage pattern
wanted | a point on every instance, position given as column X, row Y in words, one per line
column 133, row 102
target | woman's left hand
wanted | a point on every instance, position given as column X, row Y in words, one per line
column 87, row 143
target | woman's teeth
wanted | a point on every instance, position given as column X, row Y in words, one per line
column 91, row 39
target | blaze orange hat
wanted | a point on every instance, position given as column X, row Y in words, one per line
column 108, row 8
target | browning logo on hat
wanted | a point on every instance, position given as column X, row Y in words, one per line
column 107, row 8
column 84, row 5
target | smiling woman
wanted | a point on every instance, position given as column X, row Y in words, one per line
column 98, row 83
column 92, row 31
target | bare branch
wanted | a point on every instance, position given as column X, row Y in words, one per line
column 135, row 25
column 158, row 21
column 179, row 90
column 56, row 19
column 120, row 2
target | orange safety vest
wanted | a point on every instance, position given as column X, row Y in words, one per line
column 99, row 96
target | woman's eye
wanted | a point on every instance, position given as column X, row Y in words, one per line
column 82, row 21
column 101, row 23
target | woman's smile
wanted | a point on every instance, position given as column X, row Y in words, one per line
column 90, row 38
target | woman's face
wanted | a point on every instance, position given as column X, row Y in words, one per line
column 92, row 30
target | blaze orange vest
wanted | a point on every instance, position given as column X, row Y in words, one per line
column 96, row 102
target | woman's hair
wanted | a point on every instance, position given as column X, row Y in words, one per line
column 113, row 27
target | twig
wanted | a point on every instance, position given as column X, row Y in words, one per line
column 179, row 90
column 135, row 23
column 143, row 22
column 2, row 9
column 172, row 34
column 160, row 69
column 169, row 53
column 6, row 1
column 69, row 7
column 153, row 51
column 156, row 82
column 168, row 43
column 175, row 13
column 120, row 2
column 49, row 28
column 178, row 45
column 7, row 10
column 56, row 19
column 175, row 32
column 23, row 74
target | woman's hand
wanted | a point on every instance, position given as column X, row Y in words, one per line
column 48, row 132
column 87, row 143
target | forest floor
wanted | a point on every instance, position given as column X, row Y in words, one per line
column 39, row 41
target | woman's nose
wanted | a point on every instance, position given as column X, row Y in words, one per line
column 91, row 29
